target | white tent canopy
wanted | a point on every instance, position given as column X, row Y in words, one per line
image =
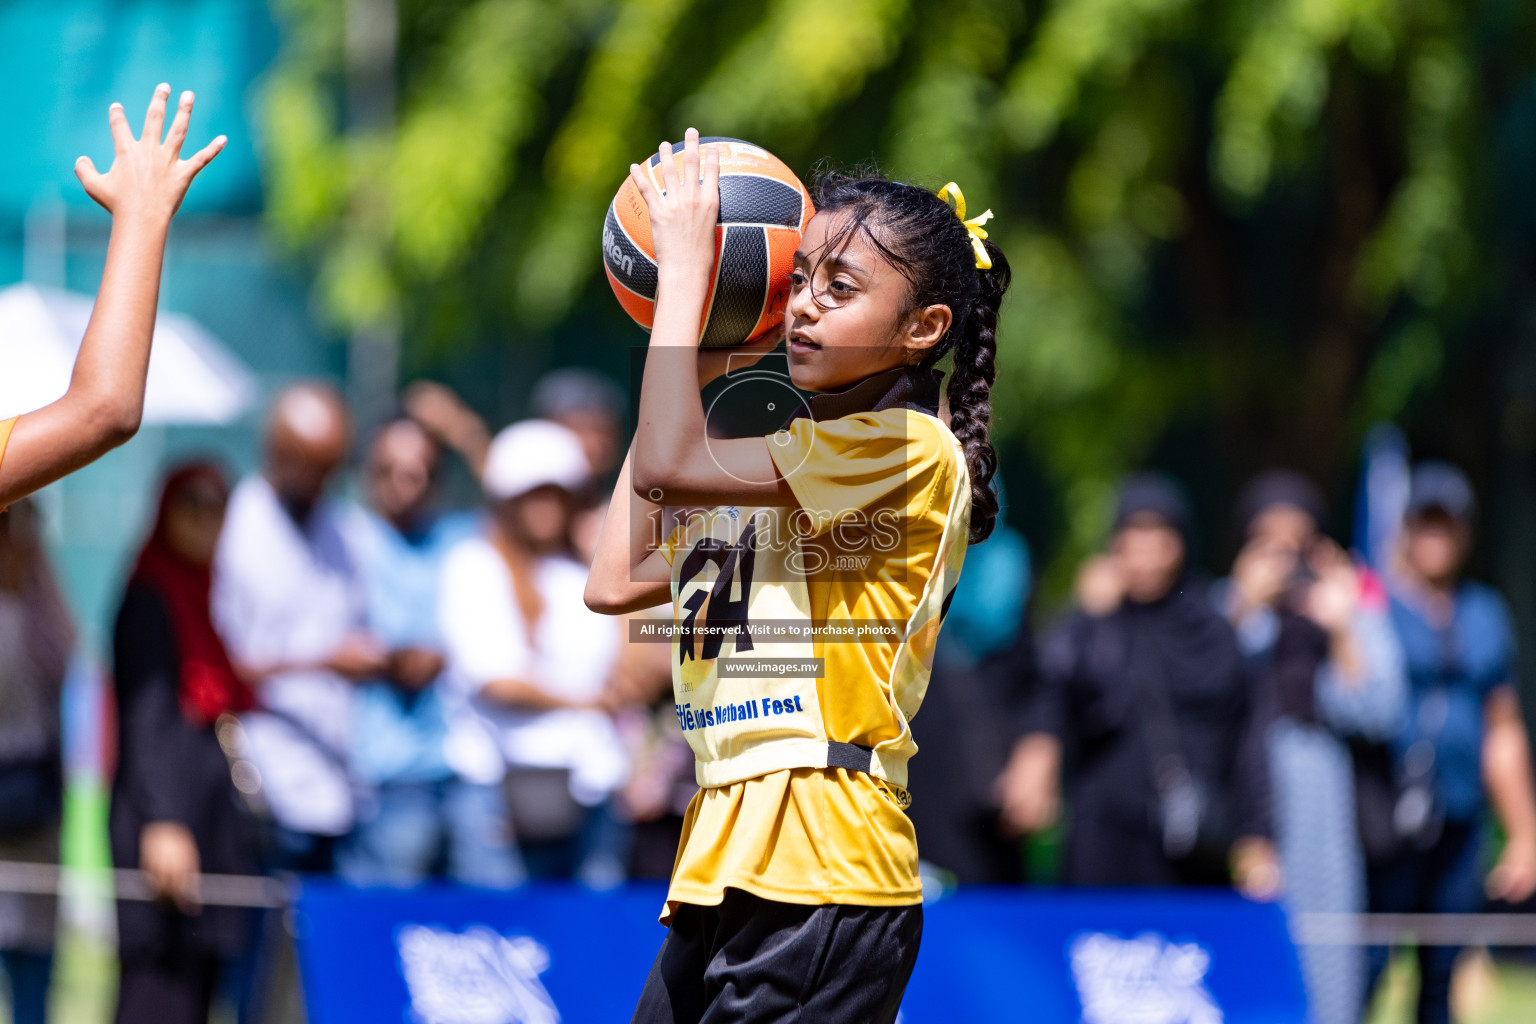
column 193, row 377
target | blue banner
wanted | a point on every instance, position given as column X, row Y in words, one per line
column 1101, row 957
column 561, row 955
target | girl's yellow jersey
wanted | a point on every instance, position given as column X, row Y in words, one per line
column 803, row 765
column 5, row 435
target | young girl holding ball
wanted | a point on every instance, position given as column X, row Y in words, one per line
column 795, row 889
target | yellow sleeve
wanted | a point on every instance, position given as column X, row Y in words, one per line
column 892, row 459
column 5, row 435
column 668, row 547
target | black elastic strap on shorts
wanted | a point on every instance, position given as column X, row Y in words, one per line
column 850, row 756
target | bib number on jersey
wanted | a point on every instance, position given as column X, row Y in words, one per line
column 727, row 600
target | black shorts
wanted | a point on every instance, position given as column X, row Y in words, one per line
column 756, row 961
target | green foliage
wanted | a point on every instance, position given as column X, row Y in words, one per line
column 772, row 84
column 606, row 129
column 1262, row 217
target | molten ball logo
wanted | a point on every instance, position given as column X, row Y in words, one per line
column 616, row 256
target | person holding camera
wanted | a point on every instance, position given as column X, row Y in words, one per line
column 1464, row 743
column 1144, row 691
column 1327, row 671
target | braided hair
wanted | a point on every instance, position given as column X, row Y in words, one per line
column 918, row 233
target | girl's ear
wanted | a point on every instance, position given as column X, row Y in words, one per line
column 926, row 327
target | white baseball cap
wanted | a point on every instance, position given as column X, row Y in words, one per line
column 530, row 454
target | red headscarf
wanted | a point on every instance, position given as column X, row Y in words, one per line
column 209, row 684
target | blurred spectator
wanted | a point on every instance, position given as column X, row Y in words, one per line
column 530, row 666
column 36, row 638
column 661, row 782
column 288, row 603
column 974, row 717
column 1464, row 733
column 1149, row 697
column 399, row 542
column 448, row 421
column 1326, row 666
column 592, row 407
column 175, row 811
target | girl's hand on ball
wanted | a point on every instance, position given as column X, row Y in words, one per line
column 684, row 215
column 147, row 178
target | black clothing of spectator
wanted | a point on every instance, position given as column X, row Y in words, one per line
column 174, row 683
column 1285, row 675
column 1099, row 674
column 171, row 770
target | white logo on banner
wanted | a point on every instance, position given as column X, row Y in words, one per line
column 474, row 977
column 1145, row 980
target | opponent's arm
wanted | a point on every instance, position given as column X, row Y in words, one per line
column 673, row 455
column 105, row 401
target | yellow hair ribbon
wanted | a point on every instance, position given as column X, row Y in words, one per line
column 952, row 195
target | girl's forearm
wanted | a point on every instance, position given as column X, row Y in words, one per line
column 630, row 529
column 627, row 574
column 671, row 429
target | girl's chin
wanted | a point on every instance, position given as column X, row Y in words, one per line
column 804, row 373
column 807, row 379
column 808, row 373
column 812, row 370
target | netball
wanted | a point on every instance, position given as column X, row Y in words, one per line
column 764, row 208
